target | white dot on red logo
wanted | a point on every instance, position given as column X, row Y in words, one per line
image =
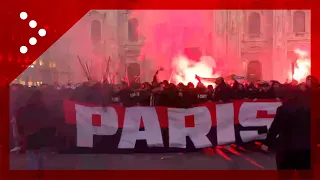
column 33, row 24
column 42, row 32
column 33, row 41
column 23, row 15
column 23, row 49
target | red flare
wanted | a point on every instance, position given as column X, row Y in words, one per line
column 242, row 148
column 234, row 151
column 223, row 154
column 208, row 151
column 257, row 143
column 238, row 147
column 254, row 163
column 248, row 159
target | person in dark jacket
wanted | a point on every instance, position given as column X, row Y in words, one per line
column 171, row 96
column 115, row 95
column 166, row 97
column 128, row 97
column 185, row 97
column 145, row 94
column 276, row 87
column 202, row 94
column 34, row 123
column 238, row 91
column 94, row 95
column 265, row 92
column 252, row 91
column 223, row 92
column 289, row 133
column 210, row 93
column 312, row 82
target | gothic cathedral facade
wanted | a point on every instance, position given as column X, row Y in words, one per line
column 258, row 43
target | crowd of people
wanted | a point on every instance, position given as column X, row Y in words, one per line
column 143, row 94
column 34, row 108
column 157, row 93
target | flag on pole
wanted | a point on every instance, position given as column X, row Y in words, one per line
column 126, row 75
column 235, row 77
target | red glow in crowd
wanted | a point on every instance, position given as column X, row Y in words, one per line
column 303, row 65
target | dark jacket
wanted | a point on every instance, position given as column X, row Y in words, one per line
column 129, row 97
column 292, row 126
column 201, row 96
column 145, row 96
column 270, row 94
column 35, row 122
column 223, row 92
column 238, row 93
column 185, row 98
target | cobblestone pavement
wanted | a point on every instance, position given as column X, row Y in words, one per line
column 176, row 161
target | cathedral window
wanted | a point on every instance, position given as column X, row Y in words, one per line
column 133, row 30
column 299, row 22
column 95, row 31
column 254, row 25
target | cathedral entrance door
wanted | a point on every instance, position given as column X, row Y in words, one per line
column 254, row 71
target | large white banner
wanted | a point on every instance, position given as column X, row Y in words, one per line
column 208, row 125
